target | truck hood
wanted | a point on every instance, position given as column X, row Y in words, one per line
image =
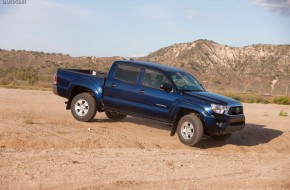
column 212, row 98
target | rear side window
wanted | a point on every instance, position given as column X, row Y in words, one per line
column 127, row 73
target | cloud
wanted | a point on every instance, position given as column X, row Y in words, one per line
column 279, row 6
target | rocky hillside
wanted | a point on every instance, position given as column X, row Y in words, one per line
column 262, row 69
column 36, row 69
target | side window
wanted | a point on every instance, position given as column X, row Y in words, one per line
column 153, row 79
column 127, row 73
column 179, row 81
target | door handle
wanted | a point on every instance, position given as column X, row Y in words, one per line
column 113, row 85
column 142, row 91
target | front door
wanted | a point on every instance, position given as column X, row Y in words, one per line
column 156, row 103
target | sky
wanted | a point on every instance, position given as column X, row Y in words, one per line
column 133, row 28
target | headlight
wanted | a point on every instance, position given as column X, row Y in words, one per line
column 220, row 109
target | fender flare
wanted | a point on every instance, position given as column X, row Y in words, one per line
column 185, row 108
column 94, row 88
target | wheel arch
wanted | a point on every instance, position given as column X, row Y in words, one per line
column 182, row 112
column 75, row 90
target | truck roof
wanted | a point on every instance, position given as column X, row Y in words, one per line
column 153, row 65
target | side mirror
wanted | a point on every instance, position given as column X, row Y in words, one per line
column 166, row 87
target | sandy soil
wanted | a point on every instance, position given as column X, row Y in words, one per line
column 58, row 152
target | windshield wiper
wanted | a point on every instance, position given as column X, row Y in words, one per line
column 186, row 90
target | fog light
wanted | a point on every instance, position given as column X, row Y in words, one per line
column 220, row 124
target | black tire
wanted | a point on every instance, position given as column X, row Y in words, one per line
column 83, row 107
column 190, row 130
column 221, row 137
column 115, row 116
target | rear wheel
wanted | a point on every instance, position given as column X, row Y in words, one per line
column 83, row 107
column 190, row 130
column 221, row 137
column 115, row 116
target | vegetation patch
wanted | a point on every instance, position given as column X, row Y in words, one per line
column 284, row 100
column 283, row 113
column 254, row 98
column 28, row 118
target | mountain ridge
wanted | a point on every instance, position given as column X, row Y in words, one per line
column 255, row 65
column 258, row 68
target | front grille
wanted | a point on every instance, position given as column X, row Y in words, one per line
column 236, row 110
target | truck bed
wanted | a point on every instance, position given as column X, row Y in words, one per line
column 69, row 79
column 99, row 74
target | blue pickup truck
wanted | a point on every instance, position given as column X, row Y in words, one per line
column 152, row 91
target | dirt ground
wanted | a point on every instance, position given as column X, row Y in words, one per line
column 43, row 147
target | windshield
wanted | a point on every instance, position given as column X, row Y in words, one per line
column 186, row 82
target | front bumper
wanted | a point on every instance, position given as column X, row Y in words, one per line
column 224, row 124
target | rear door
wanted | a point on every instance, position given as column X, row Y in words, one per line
column 121, row 89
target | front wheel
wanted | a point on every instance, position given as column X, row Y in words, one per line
column 83, row 107
column 221, row 137
column 115, row 116
column 190, row 130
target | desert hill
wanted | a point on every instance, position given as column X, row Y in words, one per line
column 257, row 68
column 36, row 69
column 262, row 69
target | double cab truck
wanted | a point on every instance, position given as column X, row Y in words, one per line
column 152, row 91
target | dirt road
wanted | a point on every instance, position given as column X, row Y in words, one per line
column 43, row 147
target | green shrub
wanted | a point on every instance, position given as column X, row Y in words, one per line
column 25, row 74
column 4, row 72
column 262, row 101
column 284, row 100
column 249, row 99
column 253, row 98
column 4, row 82
column 28, row 118
column 283, row 113
column 32, row 81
